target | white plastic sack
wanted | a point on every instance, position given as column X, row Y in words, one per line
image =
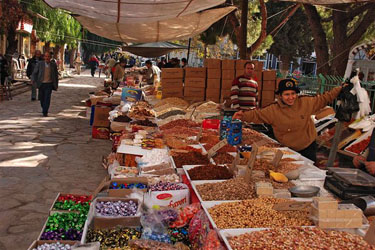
column 362, row 98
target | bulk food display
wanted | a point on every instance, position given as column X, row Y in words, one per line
column 177, row 178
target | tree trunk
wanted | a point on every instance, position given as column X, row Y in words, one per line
column 237, row 28
column 285, row 64
column 12, row 43
column 263, row 31
column 62, row 59
column 320, row 39
column 56, row 52
column 72, row 57
column 340, row 39
column 243, row 42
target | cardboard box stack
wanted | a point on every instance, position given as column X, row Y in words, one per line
column 268, row 87
column 195, row 84
column 172, row 82
column 100, row 128
column 327, row 213
column 213, row 79
column 228, row 74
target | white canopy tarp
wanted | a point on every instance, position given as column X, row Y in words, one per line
column 172, row 29
column 133, row 11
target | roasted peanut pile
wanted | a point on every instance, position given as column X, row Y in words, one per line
column 233, row 189
column 298, row 238
column 256, row 213
column 210, row 172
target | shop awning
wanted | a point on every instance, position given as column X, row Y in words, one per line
column 134, row 11
column 153, row 49
column 176, row 28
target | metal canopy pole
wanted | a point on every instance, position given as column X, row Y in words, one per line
column 335, row 143
column 188, row 54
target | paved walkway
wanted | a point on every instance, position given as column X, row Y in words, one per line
column 41, row 156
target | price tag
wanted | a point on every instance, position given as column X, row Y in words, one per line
column 370, row 235
column 292, row 206
column 251, row 162
column 216, row 148
column 276, row 160
column 199, row 134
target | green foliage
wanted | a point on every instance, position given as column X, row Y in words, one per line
column 11, row 14
column 294, row 39
column 60, row 28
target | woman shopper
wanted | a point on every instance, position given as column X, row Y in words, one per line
column 290, row 117
column 78, row 63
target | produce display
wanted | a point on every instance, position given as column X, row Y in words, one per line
column 210, row 172
column 155, row 211
column 256, row 213
column 223, row 158
column 190, row 158
column 64, row 226
column 116, row 208
column 54, row 246
column 233, row 189
column 359, row 147
column 298, row 238
column 116, row 237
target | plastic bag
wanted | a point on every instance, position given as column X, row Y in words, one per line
column 362, row 98
column 212, row 242
column 154, row 228
column 348, row 104
column 198, row 230
column 185, row 215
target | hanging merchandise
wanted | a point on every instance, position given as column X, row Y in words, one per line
column 348, row 104
column 362, row 97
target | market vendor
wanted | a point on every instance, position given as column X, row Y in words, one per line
column 119, row 73
column 290, row 117
column 152, row 73
column 366, row 161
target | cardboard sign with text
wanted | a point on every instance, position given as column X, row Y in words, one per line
column 292, row 206
column 251, row 162
column 276, row 160
column 216, row 148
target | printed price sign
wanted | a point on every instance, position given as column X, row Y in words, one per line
column 276, row 160
column 251, row 162
column 199, row 134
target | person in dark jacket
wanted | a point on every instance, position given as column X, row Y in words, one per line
column 94, row 64
column 46, row 77
column 3, row 69
column 29, row 71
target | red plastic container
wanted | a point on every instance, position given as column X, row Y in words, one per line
column 211, row 123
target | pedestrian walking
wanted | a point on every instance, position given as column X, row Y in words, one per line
column 78, row 63
column 93, row 63
column 3, row 69
column 30, row 69
column 47, row 79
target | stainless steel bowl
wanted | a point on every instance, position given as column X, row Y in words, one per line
column 304, row 191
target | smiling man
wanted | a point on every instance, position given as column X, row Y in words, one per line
column 290, row 117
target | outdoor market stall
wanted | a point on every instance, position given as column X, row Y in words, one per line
column 183, row 175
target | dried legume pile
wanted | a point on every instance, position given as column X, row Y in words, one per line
column 298, row 238
column 190, row 158
column 210, row 172
column 223, row 158
column 233, row 189
column 256, row 213
column 180, row 123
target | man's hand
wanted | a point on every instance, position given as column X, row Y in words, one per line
column 357, row 161
column 238, row 115
column 370, row 167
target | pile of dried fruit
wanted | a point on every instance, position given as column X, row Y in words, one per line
column 256, row 213
column 190, row 158
column 210, row 172
column 233, row 189
column 223, row 158
column 180, row 123
column 298, row 238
